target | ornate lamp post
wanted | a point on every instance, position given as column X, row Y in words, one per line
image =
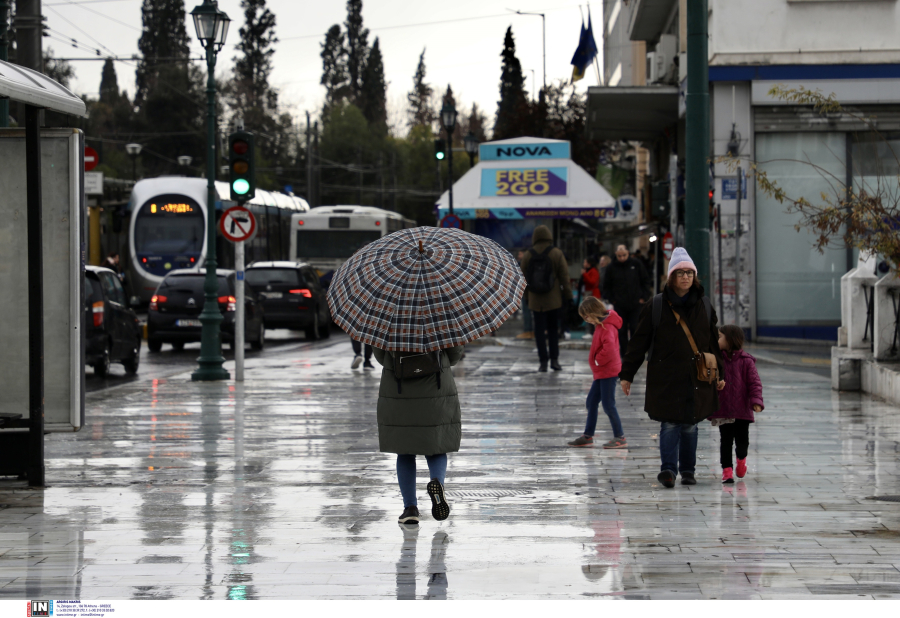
column 212, row 28
column 185, row 161
column 471, row 144
column 448, row 120
column 133, row 151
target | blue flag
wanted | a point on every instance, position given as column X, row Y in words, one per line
column 585, row 52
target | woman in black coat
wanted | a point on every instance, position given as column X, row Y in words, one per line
column 675, row 397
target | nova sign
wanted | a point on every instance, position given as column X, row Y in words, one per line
column 498, row 151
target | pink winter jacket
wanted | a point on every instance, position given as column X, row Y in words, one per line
column 604, row 358
column 743, row 388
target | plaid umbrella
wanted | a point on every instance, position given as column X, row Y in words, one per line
column 424, row 289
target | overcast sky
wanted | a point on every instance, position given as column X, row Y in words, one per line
column 463, row 38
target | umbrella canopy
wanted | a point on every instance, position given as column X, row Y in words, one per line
column 424, row 289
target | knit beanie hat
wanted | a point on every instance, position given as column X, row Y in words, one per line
column 681, row 260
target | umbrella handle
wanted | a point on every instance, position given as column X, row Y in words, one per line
column 421, row 248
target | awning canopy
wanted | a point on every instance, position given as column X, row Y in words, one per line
column 528, row 177
column 638, row 113
column 650, row 17
column 21, row 84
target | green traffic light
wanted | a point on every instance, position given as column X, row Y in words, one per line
column 240, row 186
column 439, row 156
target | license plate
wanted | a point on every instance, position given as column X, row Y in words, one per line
column 272, row 295
column 188, row 323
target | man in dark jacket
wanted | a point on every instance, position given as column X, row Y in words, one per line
column 627, row 286
column 546, row 306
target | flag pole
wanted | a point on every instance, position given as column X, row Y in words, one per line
column 596, row 62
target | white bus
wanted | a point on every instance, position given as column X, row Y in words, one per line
column 325, row 237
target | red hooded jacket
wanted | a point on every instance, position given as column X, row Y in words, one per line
column 604, row 357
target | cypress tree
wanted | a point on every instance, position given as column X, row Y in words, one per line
column 109, row 83
column 513, row 109
column 373, row 94
column 164, row 36
column 357, row 48
column 420, row 111
column 334, row 70
column 254, row 66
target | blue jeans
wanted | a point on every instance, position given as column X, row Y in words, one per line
column 406, row 474
column 678, row 447
column 603, row 391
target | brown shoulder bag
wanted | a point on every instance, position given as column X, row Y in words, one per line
column 707, row 365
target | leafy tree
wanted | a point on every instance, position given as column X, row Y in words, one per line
column 357, row 48
column 164, row 40
column 373, row 95
column 421, row 112
column 513, row 109
column 564, row 114
column 334, row 70
column 58, row 70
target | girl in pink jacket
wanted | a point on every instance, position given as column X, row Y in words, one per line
column 605, row 364
column 738, row 400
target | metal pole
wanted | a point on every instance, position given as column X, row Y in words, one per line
column 450, row 166
column 35, row 465
column 719, row 238
column 544, row 37
column 737, row 253
column 656, row 261
column 211, row 359
column 308, row 163
column 696, row 216
column 4, row 55
column 239, row 314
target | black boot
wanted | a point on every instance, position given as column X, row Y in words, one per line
column 543, row 367
column 554, row 365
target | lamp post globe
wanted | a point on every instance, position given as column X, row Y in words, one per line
column 133, row 151
column 471, row 144
column 211, row 25
column 185, row 160
column 448, row 120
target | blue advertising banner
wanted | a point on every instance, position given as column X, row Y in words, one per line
column 523, row 182
column 519, row 152
column 509, row 214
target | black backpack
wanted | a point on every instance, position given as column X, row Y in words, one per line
column 656, row 316
column 540, row 275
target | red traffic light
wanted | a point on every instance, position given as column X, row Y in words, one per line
column 240, row 147
column 711, row 193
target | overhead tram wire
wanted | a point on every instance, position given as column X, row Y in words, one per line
column 68, row 21
column 94, row 11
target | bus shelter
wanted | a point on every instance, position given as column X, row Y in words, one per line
column 524, row 182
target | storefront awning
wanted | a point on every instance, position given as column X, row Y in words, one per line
column 638, row 113
column 528, row 177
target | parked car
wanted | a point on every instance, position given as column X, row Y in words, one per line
column 292, row 295
column 112, row 330
column 174, row 313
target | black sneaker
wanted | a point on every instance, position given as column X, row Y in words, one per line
column 440, row 510
column 410, row 515
column 667, row 478
column 554, row 365
column 543, row 368
column 368, row 366
column 687, row 478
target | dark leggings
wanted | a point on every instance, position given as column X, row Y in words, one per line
column 736, row 434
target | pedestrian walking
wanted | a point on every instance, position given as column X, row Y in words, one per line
column 112, row 262
column 358, row 358
column 549, row 293
column 605, row 364
column 675, row 328
column 738, row 401
column 626, row 286
column 590, row 277
column 417, row 296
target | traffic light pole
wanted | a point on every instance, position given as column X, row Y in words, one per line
column 696, row 213
column 211, row 359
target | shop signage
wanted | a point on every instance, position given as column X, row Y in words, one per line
column 522, row 182
column 517, row 152
column 509, row 214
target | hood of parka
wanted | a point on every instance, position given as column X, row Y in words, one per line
column 541, row 233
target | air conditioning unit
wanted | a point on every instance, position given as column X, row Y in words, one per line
column 655, row 72
column 661, row 67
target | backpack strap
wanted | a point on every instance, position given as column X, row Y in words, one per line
column 657, row 316
column 708, row 305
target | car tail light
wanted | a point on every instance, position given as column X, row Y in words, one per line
column 156, row 300
column 230, row 302
column 304, row 293
column 377, row 223
column 98, row 313
column 300, row 222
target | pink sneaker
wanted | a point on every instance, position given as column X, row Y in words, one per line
column 741, row 469
column 727, row 476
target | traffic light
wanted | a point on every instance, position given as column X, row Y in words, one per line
column 242, row 166
column 712, row 202
column 440, row 149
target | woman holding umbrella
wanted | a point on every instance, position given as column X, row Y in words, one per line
column 417, row 296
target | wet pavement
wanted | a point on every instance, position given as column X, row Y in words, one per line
column 274, row 489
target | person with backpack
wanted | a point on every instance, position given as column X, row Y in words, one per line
column 678, row 329
column 418, row 414
column 549, row 290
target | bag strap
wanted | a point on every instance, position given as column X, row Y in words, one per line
column 687, row 331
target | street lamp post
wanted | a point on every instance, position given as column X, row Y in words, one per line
column 471, row 144
column 543, row 36
column 184, row 161
column 212, row 28
column 133, row 151
column 448, row 119
column 4, row 55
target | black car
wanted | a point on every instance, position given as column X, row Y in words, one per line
column 292, row 296
column 174, row 312
column 112, row 331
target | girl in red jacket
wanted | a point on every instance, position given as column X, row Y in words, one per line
column 738, row 400
column 605, row 364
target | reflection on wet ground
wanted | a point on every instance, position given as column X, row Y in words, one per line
column 274, row 489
